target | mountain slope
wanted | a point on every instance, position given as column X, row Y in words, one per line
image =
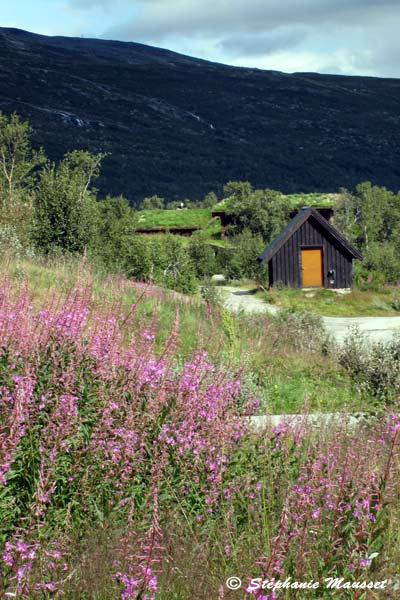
column 179, row 126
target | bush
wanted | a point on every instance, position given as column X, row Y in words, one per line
column 384, row 257
column 263, row 212
column 304, row 331
column 240, row 261
column 152, row 203
column 376, row 368
column 396, row 303
column 65, row 212
column 171, row 264
column 164, row 260
column 202, row 257
column 9, row 242
column 369, row 280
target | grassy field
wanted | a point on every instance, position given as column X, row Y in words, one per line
column 127, row 471
column 287, row 372
column 382, row 302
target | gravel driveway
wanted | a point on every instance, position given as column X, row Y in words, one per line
column 376, row 329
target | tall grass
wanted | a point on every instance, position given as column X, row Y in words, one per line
column 128, row 472
column 286, row 361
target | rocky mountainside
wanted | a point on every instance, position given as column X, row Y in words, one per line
column 179, row 126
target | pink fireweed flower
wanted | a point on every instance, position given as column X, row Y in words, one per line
column 365, row 562
column 15, row 410
column 393, row 424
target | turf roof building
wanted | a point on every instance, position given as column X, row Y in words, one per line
column 310, row 252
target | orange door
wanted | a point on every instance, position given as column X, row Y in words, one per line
column 311, row 267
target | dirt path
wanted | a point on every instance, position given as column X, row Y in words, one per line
column 375, row 329
column 236, row 299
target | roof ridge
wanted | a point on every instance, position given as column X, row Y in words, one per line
column 302, row 216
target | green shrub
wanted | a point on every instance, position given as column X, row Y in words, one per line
column 202, row 257
column 375, row 369
column 9, row 241
column 172, row 265
column 396, row 303
column 152, row 203
column 384, row 257
column 304, row 331
column 240, row 261
column 65, row 212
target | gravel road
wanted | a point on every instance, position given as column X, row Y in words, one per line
column 375, row 329
column 315, row 420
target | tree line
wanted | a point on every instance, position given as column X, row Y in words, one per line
column 52, row 208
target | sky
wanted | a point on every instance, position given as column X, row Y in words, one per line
column 351, row 37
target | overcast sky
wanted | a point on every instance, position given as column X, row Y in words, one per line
column 329, row 36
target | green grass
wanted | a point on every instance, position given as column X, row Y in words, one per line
column 316, row 199
column 295, row 386
column 226, row 243
column 46, row 277
column 201, row 217
column 287, row 379
column 296, row 200
column 325, row 302
column 187, row 217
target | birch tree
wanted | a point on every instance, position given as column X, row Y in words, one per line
column 18, row 161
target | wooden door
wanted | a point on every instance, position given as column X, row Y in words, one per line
column 311, row 267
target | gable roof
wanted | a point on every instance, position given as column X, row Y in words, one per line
column 302, row 216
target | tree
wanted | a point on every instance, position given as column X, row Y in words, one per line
column 238, row 190
column 370, row 218
column 202, row 255
column 210, row 200
column 345, row 217
column 370, row 215
column 240, row 260
column 263, row 212
column 17, row 159
column 174, row 205
column 172, row 265
column 65, row 210
column 113, row 241
column 152, row 203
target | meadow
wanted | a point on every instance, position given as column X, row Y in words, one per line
column 128, row 469
column 357, row 302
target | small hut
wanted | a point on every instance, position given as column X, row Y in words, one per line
column 310, row 252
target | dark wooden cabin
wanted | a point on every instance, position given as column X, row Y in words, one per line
column 326, row 212
column 310, row 252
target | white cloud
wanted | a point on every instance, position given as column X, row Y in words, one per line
column 343, row 36
column 184, row 17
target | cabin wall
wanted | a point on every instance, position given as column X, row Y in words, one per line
column 285, row 265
